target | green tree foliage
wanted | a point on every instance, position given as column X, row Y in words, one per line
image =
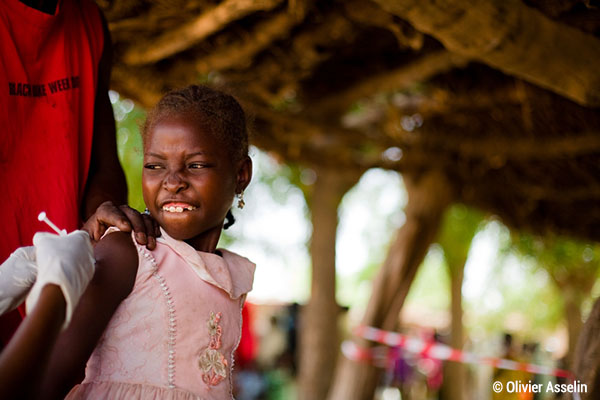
column 129, row 144
column 515, row 295
column 567, row 261
column 458, row 228
column 573, row 266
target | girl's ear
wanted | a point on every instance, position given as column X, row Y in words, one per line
column 244, row 174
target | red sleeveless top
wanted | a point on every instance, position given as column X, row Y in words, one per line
column 48, row 78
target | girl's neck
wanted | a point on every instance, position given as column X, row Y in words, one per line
column 207, row 241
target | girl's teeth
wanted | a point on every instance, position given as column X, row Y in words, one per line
column 178, row 209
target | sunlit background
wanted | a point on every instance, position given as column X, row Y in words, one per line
column 505, row 288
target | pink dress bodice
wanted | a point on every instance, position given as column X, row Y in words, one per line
column 174, row 336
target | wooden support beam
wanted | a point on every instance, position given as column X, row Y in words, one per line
column 194, row 31
column 428, row 197
column 319, row 321
column 587, row 355
column 239, row 55
column 514, row 38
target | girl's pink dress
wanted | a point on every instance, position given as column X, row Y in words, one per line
column 174, row 336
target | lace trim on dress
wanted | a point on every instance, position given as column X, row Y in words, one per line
column 212, row 363
column 171, row 329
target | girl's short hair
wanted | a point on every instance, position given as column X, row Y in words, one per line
column 214, row 110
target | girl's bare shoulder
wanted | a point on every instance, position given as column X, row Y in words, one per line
column 116, row 261
column 116, row 269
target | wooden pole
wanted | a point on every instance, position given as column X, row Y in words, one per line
column 428, row 194
column 455, row 373
column 587, row 355
column 515, row 38
column 318, row 325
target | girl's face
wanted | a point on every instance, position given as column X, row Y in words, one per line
column 189, row 181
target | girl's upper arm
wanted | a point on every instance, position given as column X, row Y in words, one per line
column 116, row 269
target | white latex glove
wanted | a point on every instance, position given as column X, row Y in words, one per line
column 17, row 275
column 66, row 261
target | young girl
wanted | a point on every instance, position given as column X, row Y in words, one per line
column 164, row 324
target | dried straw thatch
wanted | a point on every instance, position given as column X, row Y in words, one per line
column 500, row 95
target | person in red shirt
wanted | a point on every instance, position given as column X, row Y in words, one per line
column 58, row 147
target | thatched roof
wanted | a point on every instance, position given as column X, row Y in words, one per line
column 501, row 95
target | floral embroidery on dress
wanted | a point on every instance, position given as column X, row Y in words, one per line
column 212, row 363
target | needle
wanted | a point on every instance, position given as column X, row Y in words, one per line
column 44, row 218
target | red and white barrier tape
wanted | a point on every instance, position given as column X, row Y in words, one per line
column 382, row 357
column 436, row 350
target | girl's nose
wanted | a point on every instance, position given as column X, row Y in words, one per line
column 174, row 183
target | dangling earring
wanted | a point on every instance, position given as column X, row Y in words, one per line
column 241, row 202
column 146, row 211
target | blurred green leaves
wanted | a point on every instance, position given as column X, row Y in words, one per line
column 129, row 118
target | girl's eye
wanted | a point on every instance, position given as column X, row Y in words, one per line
column 197, row 165
column 152, row 166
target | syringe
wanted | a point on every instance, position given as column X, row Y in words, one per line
column 43, row 217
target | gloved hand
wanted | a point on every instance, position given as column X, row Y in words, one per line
column 66, row 261
column 17, row 275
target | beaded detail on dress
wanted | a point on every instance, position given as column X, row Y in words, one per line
column 172, row 322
